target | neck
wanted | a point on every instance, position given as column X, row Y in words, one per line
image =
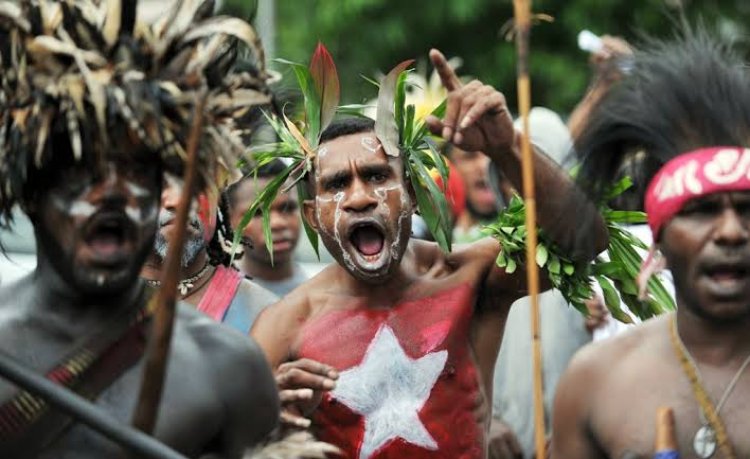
column 714, row 342
column 259, row 269
column 154, row 264
column 59, row 301
column 385, row 293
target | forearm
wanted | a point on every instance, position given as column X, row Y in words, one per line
column 563, row 211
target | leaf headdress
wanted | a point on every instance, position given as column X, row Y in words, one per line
column 89, row 65
column 396, row 127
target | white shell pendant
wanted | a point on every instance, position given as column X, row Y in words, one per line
column 704, row 442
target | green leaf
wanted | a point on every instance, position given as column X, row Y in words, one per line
column 569, row 269
column 431, row 201
column 326, row 83
column 612, row 300
column 541, row 255
column 554, row 264
column 511, row 267
column 263, row 202
column 312, row 236
column 386, row 127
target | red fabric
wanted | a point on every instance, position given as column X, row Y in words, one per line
column 220, row 292
column 456, row 190
column 422, row 326
column 692, row 175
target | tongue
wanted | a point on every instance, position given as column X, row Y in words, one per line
column 105, row 243
column 368, row 240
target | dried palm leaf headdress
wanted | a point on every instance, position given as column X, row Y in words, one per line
column 90, row 65
column 396, row 127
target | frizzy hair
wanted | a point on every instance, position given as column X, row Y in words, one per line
column 686, row 93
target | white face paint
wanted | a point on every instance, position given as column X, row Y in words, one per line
column 370, row 144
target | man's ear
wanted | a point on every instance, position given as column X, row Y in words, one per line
column 309, row 213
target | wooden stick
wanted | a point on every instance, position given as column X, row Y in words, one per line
column 157, row 353
column 84, row 411
column 522, row 12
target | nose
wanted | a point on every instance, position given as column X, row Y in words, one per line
column 359, row 198
column 278, row 220
column 112, row 187
column 170, row 194
column 731, row 229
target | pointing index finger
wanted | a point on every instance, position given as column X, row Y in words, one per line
column 447, row 75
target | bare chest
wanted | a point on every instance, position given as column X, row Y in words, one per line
column 406, row 374
column 624, row 421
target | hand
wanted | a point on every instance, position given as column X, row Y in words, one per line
column 597, row 313
column 301, row 385
column 503, row 443
column 476, row 116
column 606, row 61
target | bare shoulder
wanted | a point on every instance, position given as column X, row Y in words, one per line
column 251, row 387
column 624, row 349
column 429, row 256
column 482, row 252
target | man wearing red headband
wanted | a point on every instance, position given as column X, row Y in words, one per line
column 687, row 105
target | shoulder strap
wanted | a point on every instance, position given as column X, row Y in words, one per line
column 28, row 425
column 220, row 292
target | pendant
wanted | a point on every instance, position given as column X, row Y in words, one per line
column 184, row 287
column 704, row 442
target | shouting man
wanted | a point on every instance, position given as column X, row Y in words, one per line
column 687, row 107
column 400, row 336
column 92, row 112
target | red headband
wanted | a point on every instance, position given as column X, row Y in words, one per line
column 692, row 175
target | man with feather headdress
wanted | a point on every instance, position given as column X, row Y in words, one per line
column 685, row 109
column 95, row 108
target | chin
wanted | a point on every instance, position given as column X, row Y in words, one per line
column 105, row 281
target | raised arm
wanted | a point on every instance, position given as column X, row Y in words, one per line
column 477, row 119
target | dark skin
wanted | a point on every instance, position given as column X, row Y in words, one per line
column 354, row 183
column 285, row 230
column 93, row 234
column 707, row 248
column 170, row 198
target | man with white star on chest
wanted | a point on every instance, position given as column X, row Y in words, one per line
column 391, row 350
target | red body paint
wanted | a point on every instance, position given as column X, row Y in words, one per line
column 424, row 326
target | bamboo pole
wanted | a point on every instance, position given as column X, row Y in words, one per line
column 157, row 353
column 522, row 13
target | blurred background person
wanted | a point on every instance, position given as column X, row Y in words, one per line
column 208, row 281
column 282, row 273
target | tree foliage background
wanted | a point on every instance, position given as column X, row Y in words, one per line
column 371, row 36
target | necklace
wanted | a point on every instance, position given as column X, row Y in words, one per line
column 712, row 432
column 185, row 285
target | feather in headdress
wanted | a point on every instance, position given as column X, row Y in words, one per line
column 88, row 65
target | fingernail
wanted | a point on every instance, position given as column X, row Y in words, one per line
column 458, row 138
column 447, row 133
column 465, row 122
column 328, row 384
column 333, row 374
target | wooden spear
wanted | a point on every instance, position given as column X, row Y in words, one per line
column 522, row 13
column 157, row 352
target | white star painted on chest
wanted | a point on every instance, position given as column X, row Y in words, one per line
column 389, row 388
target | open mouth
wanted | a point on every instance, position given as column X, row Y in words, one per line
column 107, row 235
column 727, row 273
column 368, row 240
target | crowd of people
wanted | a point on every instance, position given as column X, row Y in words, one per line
column 397, row 349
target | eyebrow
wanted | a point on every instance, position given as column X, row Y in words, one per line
column 327, row 179
column 372, row 169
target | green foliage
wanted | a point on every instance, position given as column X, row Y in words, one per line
column 616, row 276
column 369, row 36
